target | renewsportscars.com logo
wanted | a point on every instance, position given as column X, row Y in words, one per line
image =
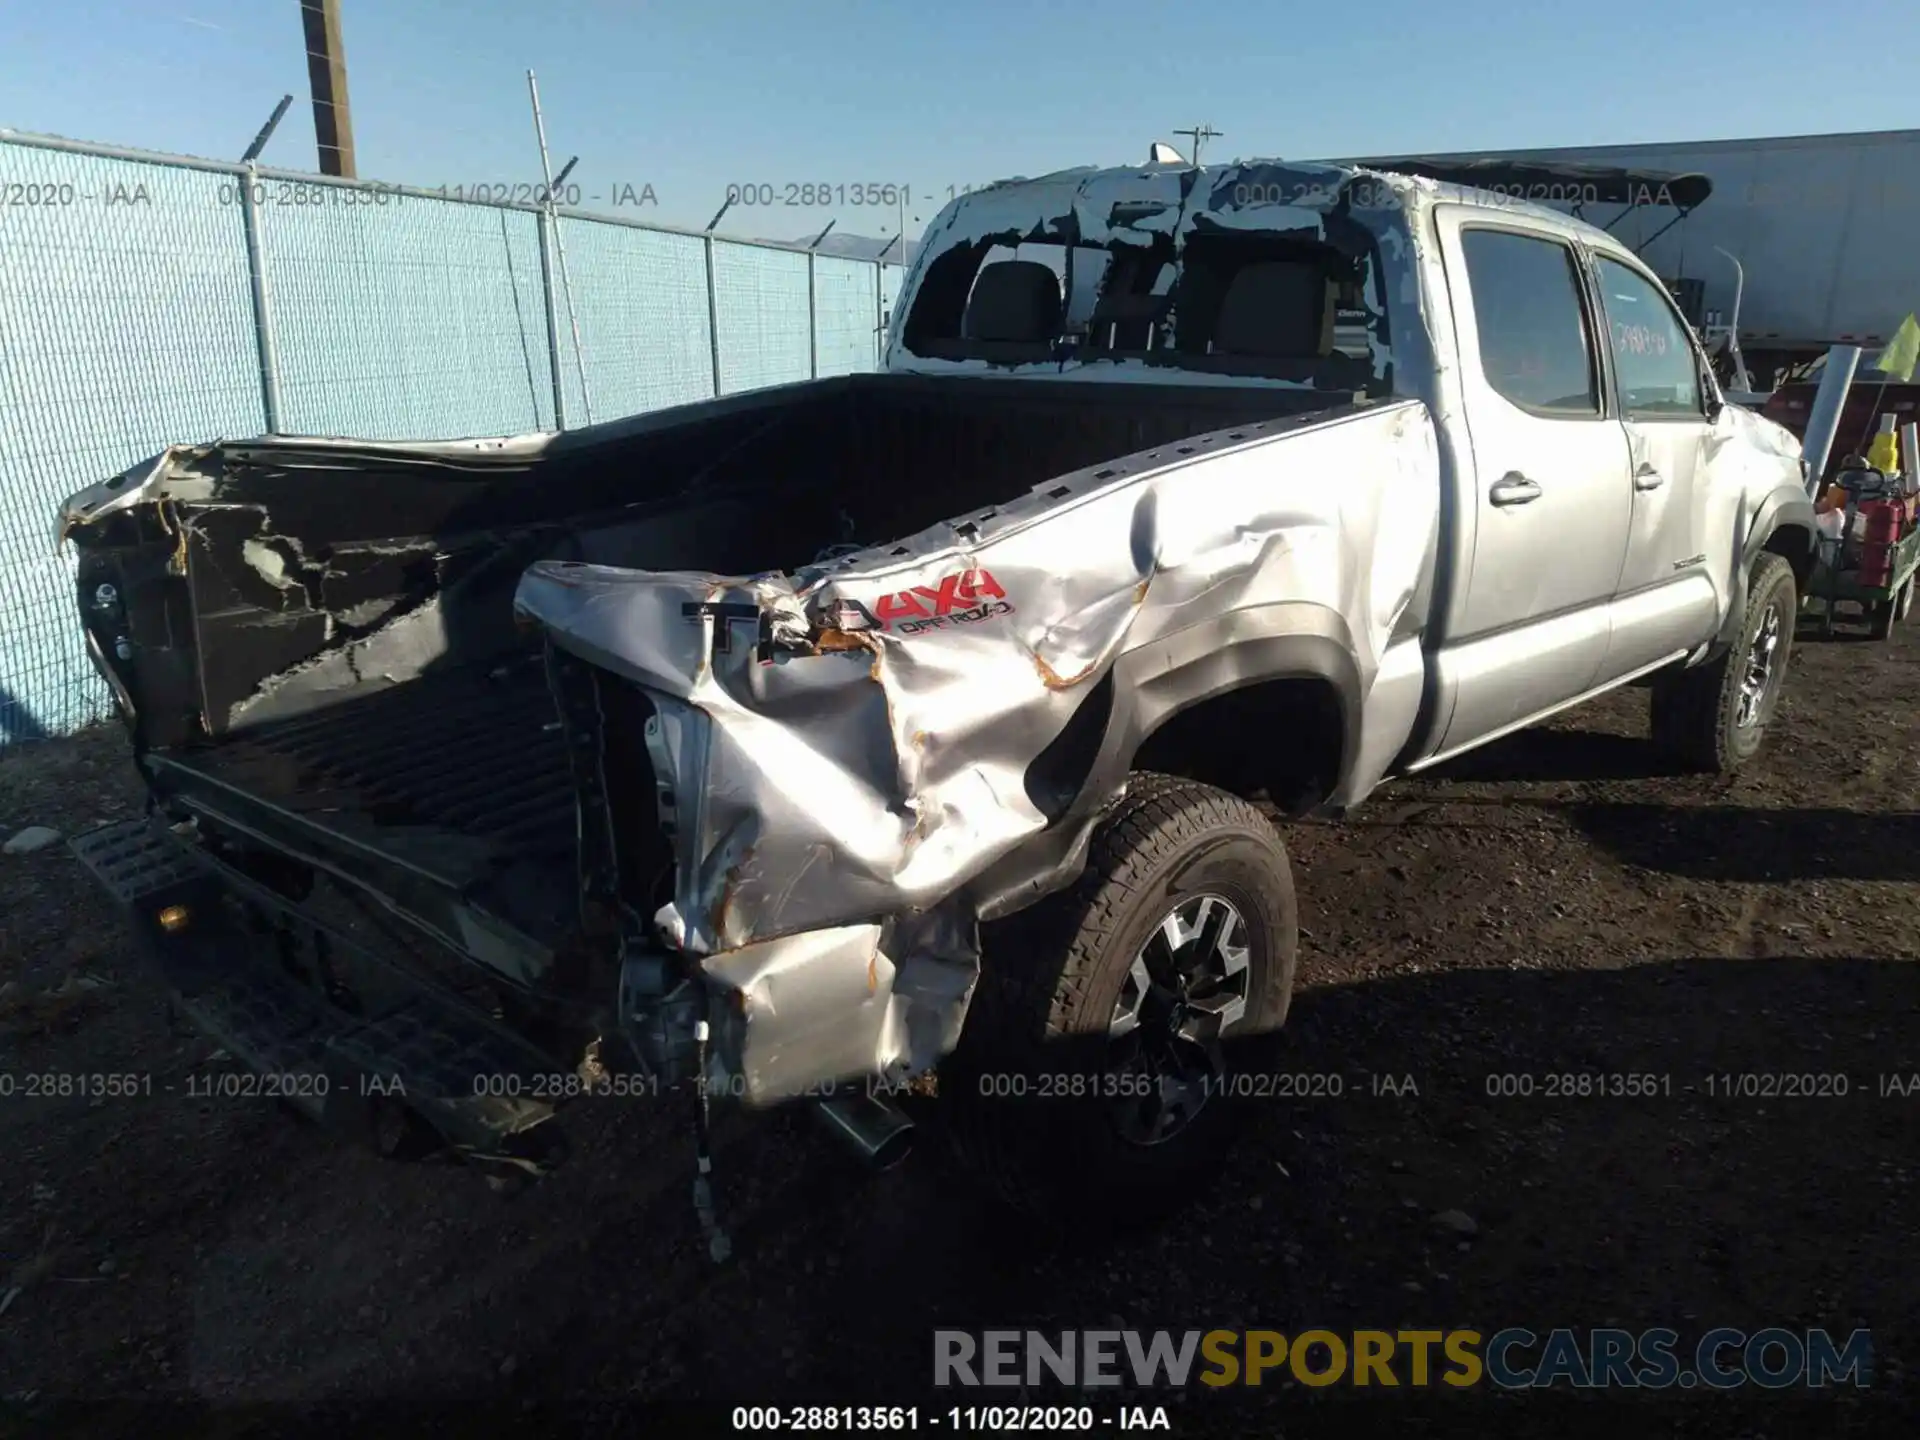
column 1513, row 1358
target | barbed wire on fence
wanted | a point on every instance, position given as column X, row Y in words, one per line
column 150, row 299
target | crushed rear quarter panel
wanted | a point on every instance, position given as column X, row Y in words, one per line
column 836, row 786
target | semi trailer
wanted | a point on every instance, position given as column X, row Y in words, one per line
column 1806, row 241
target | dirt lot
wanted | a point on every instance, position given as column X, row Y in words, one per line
column 1553, row 904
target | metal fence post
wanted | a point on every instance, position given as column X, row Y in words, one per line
column 553, row 322
column 266, row 353
column 713, row 317
column 813, row 318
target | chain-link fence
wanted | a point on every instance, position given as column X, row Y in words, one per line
column 147, row 300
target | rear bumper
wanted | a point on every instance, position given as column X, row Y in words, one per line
column 478, row 1085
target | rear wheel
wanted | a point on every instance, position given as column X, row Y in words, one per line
column 1880, row 618
column 1715, row 716
column 1093, row 1080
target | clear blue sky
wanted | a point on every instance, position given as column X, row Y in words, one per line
column 690, row 97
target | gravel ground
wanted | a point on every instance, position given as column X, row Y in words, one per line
column 1553, row 904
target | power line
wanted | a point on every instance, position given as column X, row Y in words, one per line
column 1201, row 134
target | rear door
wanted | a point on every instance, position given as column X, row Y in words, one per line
column 1552, row 498
column 1667, row 603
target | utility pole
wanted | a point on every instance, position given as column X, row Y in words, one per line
column 327, row 76
column 1201, row 134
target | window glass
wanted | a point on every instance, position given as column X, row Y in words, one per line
column 1653, row 360
column 1533, row 329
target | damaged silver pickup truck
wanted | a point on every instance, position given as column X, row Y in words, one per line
column 891, row 734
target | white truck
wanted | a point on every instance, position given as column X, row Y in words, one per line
column 894, row 731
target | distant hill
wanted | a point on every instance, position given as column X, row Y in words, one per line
column 857, row 247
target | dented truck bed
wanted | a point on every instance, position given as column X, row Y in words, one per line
column 707, row 743
column 346, row 661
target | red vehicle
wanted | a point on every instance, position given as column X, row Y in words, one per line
column 1867, row 400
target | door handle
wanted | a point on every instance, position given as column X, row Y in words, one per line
column 1648, row 478
column 1513, row 488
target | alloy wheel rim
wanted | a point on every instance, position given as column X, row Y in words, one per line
column 1756, row 683
column 1187, row 986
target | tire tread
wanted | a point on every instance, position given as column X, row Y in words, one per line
column 1692, row 712
column 1157, row 815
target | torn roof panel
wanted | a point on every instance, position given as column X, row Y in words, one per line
column 1138, row 206
column 1363, row 214
column 1144, row 204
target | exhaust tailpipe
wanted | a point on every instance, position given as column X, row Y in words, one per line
column 879, row 1134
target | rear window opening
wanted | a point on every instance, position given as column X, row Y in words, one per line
column 1285, row 307
column 1078, row 272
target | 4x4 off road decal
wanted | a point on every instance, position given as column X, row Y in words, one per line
column 965, row 597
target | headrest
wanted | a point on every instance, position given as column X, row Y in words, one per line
column 1276, row 308
column 1016, row 300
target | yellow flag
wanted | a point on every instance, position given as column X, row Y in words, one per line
column 1902, row 352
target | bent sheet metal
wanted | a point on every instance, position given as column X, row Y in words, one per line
column 847, row 755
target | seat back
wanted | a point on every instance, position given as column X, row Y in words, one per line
column 1013, row 313
column 1279, row 309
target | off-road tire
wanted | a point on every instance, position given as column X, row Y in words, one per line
column 1903, row 602
column 1051, row 977
column 1695, row 712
